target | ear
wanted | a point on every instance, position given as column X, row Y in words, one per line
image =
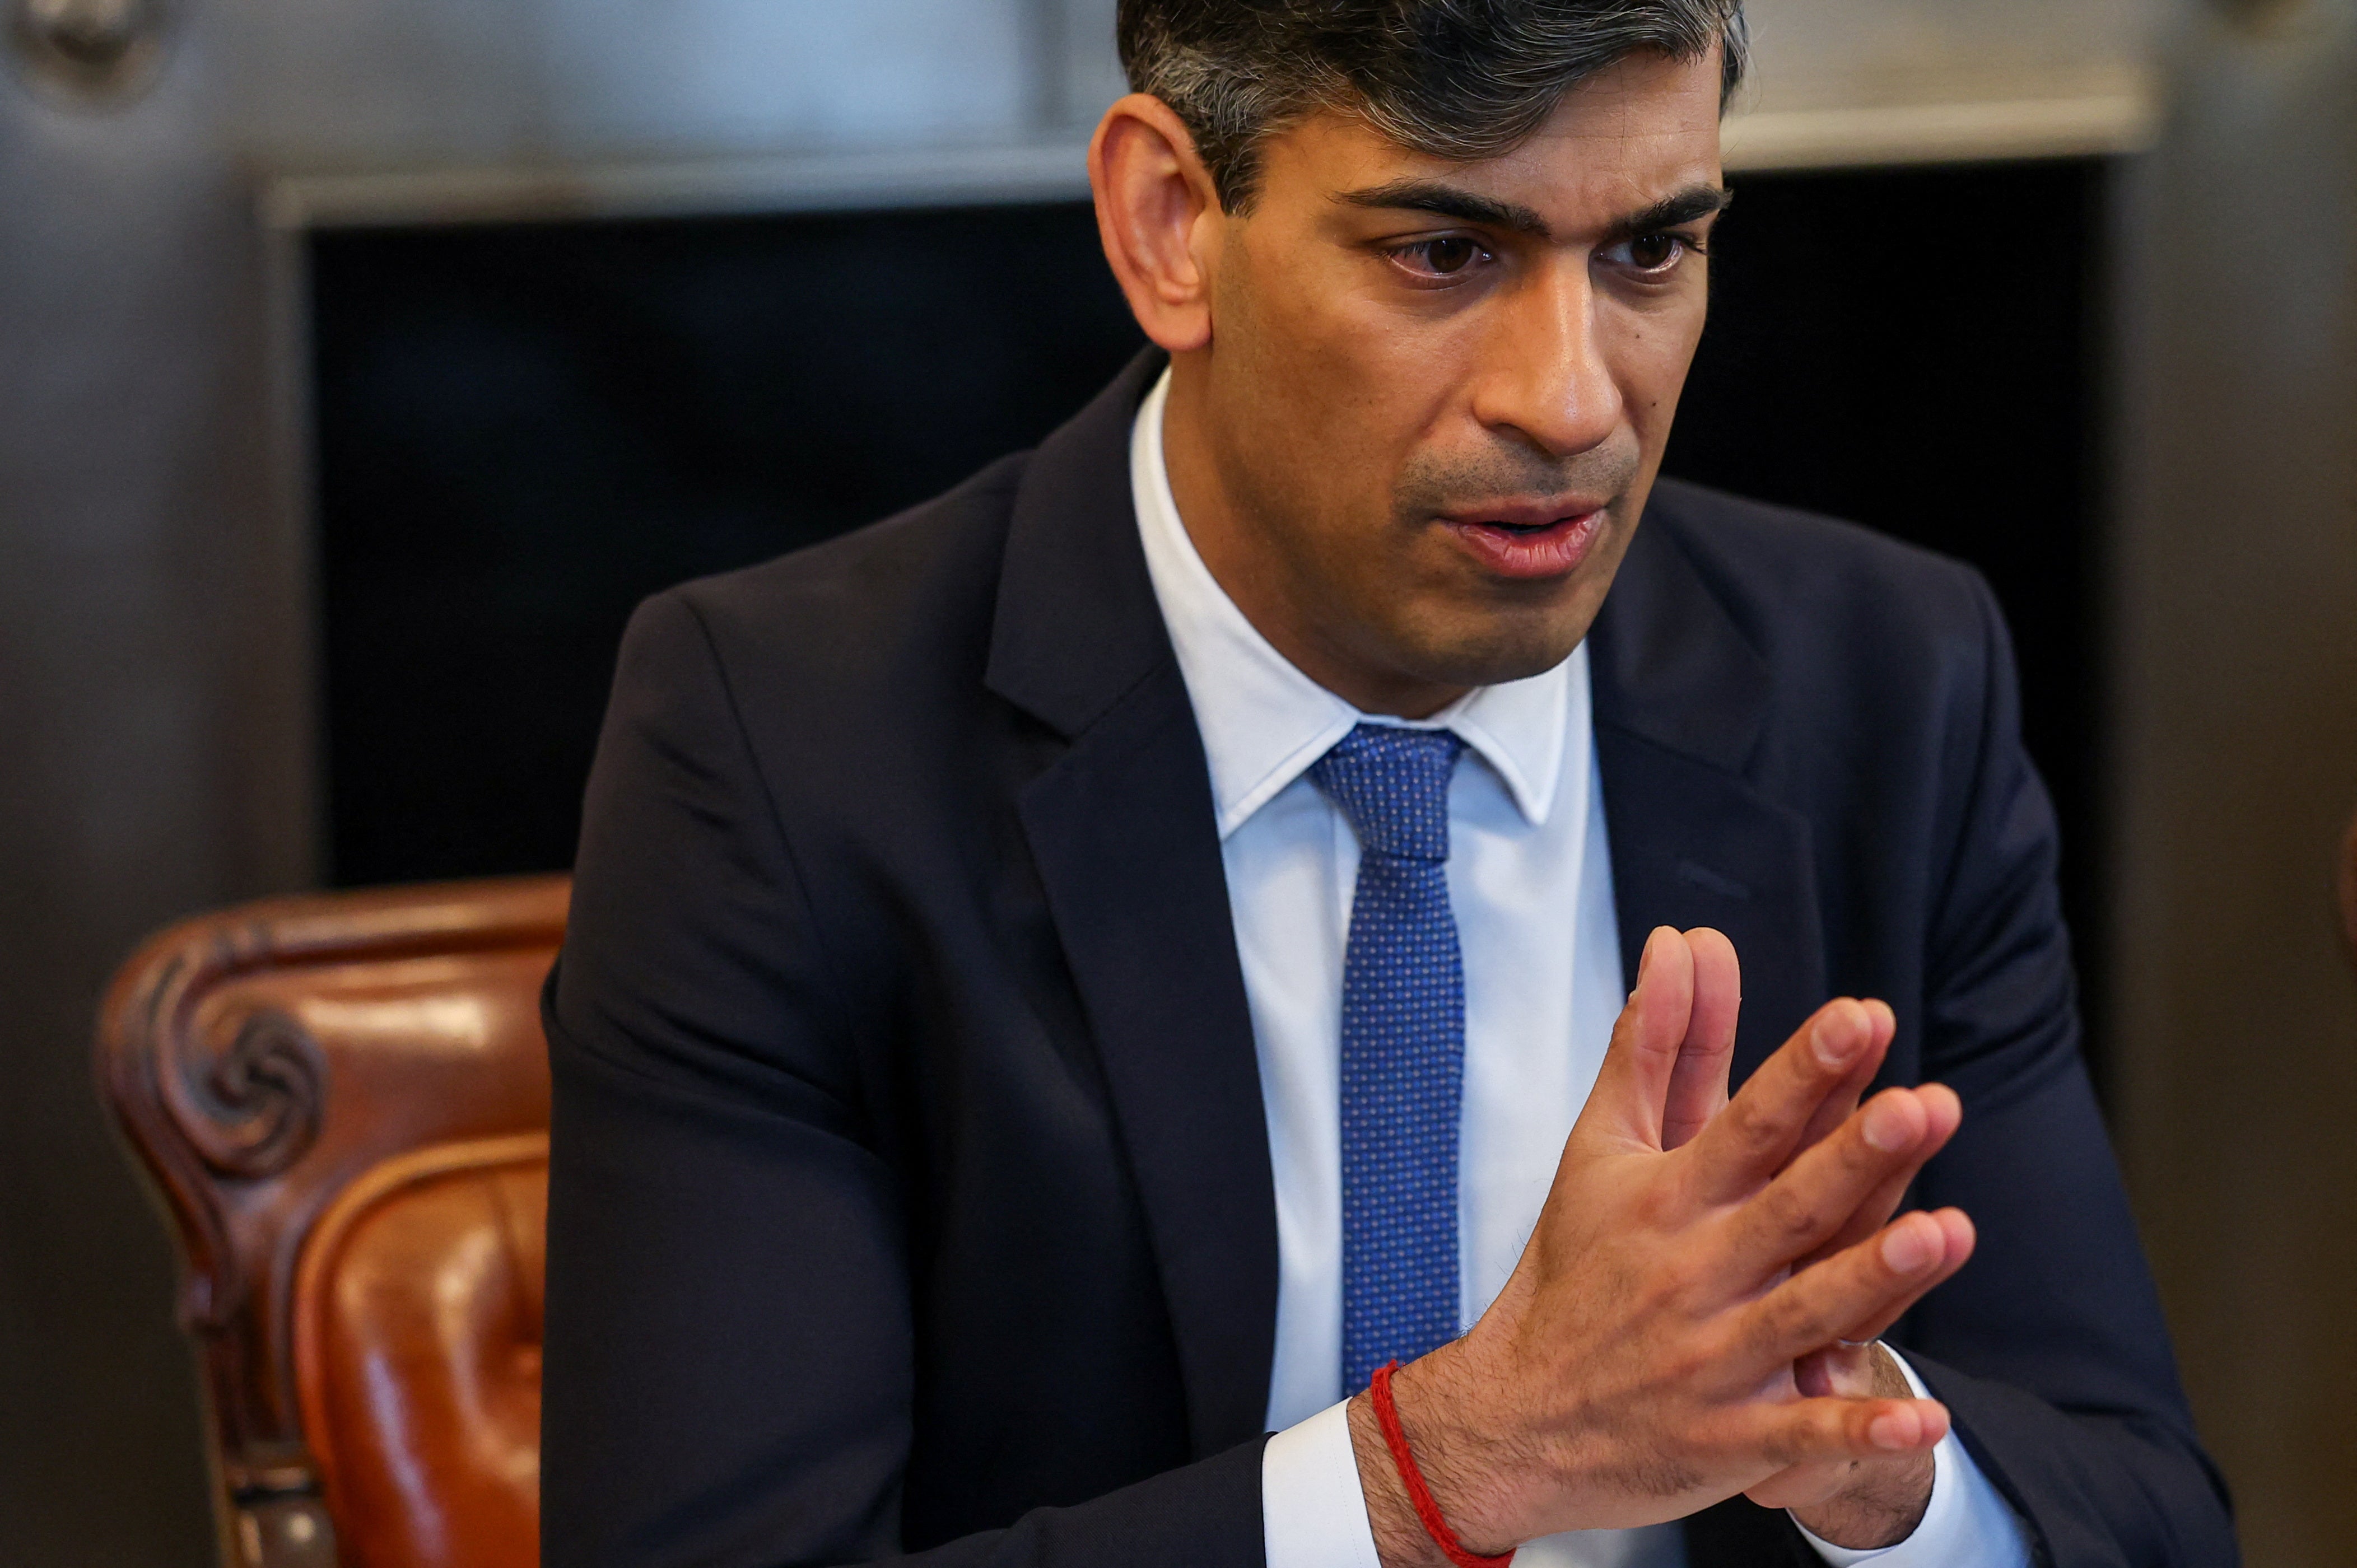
column 1159, row 215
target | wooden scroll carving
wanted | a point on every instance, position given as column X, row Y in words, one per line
column 251, row 1116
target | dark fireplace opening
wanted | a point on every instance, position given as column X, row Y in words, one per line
column 523, row 430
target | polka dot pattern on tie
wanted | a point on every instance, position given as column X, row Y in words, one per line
column 1402, row 1048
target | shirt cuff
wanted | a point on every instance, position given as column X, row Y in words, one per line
column 1967, row 1524
column 1313, row 1513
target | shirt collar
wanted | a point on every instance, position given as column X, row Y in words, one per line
column 1264, row 722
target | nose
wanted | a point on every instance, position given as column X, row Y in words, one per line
column 1547, row 378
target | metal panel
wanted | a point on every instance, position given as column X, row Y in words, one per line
column 1824, row 54
column 1031, row 171
column 135, row 762
column 367, row 84
column 2236, row 703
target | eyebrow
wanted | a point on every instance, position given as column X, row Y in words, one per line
column 1470, row 206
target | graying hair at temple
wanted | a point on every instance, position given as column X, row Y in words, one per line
column 1456, row 78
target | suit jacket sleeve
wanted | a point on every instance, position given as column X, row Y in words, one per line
column 731, row 1363
column 2048, row 1347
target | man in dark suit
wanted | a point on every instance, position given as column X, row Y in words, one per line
column 1124, row 959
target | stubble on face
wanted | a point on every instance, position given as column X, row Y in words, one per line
column 1504, row 644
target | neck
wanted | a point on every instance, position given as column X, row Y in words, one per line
column 1266, row 583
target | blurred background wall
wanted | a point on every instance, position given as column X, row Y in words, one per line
column 2234, row 594
column 161, row 703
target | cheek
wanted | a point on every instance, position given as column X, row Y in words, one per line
column 1650, row 351
column 1340, row 392
column 1346, row 357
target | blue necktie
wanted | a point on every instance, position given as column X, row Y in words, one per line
column 1402, row 1048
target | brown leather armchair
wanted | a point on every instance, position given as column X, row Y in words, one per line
column 343, row 1103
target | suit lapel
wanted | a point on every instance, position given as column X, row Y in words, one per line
column 1121, row 828
column 1681, row 700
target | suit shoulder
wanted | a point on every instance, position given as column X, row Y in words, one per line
column 908, row 589
column 1784, row 574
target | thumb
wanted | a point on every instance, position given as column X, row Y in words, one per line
column 1633, row 1086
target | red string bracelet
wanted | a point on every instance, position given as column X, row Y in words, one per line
column 1426, row 1510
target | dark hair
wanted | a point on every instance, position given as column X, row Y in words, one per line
column 1457, row 78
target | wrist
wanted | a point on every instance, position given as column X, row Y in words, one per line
column 1400, row 1538
column 1463, row 1465
column 1880, row 1504
column 1876, row 1503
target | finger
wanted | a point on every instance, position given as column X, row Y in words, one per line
column 1819, row 1193
column 1844, row 1098
column 1751, row 1139
column 1820, row 1481
column 1803, row 1486
column 1872, row 1283
column 1633, row 1085
column 1866, row 1372
column 1957, row 1240
column 1946, row 1113
column 1837, row 1369
column 1698, row 1083
column 1821, row 1431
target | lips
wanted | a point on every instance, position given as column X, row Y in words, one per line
column 1527, row 540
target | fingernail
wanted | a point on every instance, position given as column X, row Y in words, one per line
column 1836, row 1043
column 1908, row 1249
column 1893, row 1431
column 1887, row 1127
column 1645, row 960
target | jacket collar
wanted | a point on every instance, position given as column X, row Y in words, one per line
column 1075, row 625
column 1672, row 665
column 1683, row 703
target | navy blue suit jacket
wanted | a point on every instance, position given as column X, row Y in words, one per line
column 910, row 1189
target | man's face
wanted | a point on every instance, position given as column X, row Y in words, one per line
column 1437, row 393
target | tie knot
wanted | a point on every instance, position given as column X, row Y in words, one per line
column 1393, row 784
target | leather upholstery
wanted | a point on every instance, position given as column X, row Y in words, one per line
column 342, row 1100
column 417, row 1333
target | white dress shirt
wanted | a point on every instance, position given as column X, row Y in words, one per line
column 1529, row 882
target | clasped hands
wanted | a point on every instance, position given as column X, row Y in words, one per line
column 1673, row 1334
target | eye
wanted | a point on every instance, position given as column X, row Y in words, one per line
column 1447, row 257
column 1654, row 253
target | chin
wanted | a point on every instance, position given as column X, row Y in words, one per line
column 1496, row 655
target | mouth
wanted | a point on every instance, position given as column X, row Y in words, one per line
column 1529, row 540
